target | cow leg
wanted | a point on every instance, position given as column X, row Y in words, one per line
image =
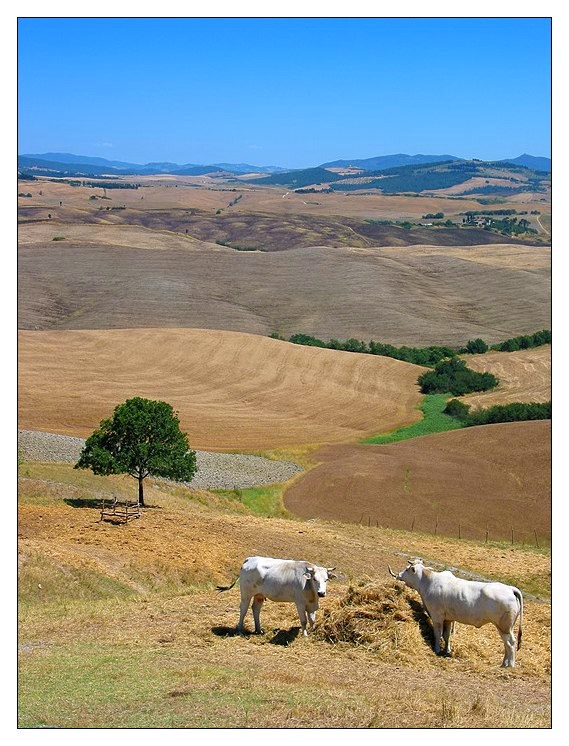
column 509, row 640
column 243, row 611
column 448, row 629
column 438, row 632
column 256, row 607
column 312, row 619
column 302, row 616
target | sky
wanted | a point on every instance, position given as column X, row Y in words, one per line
column 290, row 92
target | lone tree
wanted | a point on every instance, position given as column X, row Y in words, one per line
column 142, row 438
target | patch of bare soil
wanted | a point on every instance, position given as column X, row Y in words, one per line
column 494, row 478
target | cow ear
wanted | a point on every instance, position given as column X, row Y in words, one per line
column 331, row 573
column 307, row 575
column 413, row 568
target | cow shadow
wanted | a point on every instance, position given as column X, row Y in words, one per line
column 281, row 637
column 423, row 620
column 223, row 631
column 284, row 637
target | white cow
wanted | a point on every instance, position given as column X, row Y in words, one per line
column 281, row 580
column 449, row 599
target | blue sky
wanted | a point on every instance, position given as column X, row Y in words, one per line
column 287, row 92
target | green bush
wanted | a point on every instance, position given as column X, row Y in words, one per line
column 454, row 376
column 474, row 346
column 515, row 412
column 456, row 408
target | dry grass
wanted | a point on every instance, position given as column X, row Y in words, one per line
column 389, row 620
column 123, row 625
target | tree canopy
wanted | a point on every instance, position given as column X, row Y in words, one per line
column 142, row 438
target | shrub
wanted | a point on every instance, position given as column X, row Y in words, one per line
column 454, row 376
column 456, row 408
column 477, row 345
column 515, row 412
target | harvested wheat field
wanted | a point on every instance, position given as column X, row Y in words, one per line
column 231, row 390
column 139, row 602
column 488, row 478
column 116, row 276
column 524, row 376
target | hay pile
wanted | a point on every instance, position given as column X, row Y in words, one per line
column 387, row 619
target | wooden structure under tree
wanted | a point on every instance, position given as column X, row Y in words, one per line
column 119, row 511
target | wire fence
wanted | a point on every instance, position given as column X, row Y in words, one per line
column 513, row 535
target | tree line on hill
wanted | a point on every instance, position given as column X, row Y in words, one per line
column 514, row 412
column 426, row 356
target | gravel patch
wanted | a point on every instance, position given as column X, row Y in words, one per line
column 215, row 470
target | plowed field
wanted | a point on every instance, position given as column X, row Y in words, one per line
column 232, row 390
column 495, row 478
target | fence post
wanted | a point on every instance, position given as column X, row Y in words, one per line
column 413, row 524
column 436, row 525
column 459, row 536
column 512, row 535
column 536, row 541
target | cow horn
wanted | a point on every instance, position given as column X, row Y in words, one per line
column 392, row 573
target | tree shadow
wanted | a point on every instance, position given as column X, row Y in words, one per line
column 81, row 502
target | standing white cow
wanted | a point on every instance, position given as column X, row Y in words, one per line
column 281, row 580
column 449, row 599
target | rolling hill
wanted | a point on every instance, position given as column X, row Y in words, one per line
column 232, row 391
column 491, row 477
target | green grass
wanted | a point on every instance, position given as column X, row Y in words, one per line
column 434, row 421
column 266, row 500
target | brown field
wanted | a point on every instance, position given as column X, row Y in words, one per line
column 232, row 390
column 494, row 477
column 525, row 376
column 204, row 193
column 117, row 276
column 138, row 602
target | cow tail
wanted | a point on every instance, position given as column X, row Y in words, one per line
column 518, row 595
column 222, row 588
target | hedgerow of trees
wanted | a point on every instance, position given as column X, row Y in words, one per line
column 427, row 356
column 515, row 412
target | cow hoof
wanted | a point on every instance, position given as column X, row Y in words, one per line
column 259, row 631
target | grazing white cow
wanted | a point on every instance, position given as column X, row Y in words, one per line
column 281, row 580
column 449, row 599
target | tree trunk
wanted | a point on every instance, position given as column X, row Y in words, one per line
column 140, row 492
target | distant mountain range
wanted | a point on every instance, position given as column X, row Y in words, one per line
column 67, row 164
column 380, row 162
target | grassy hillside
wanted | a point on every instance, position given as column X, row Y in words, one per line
column 123, row 625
